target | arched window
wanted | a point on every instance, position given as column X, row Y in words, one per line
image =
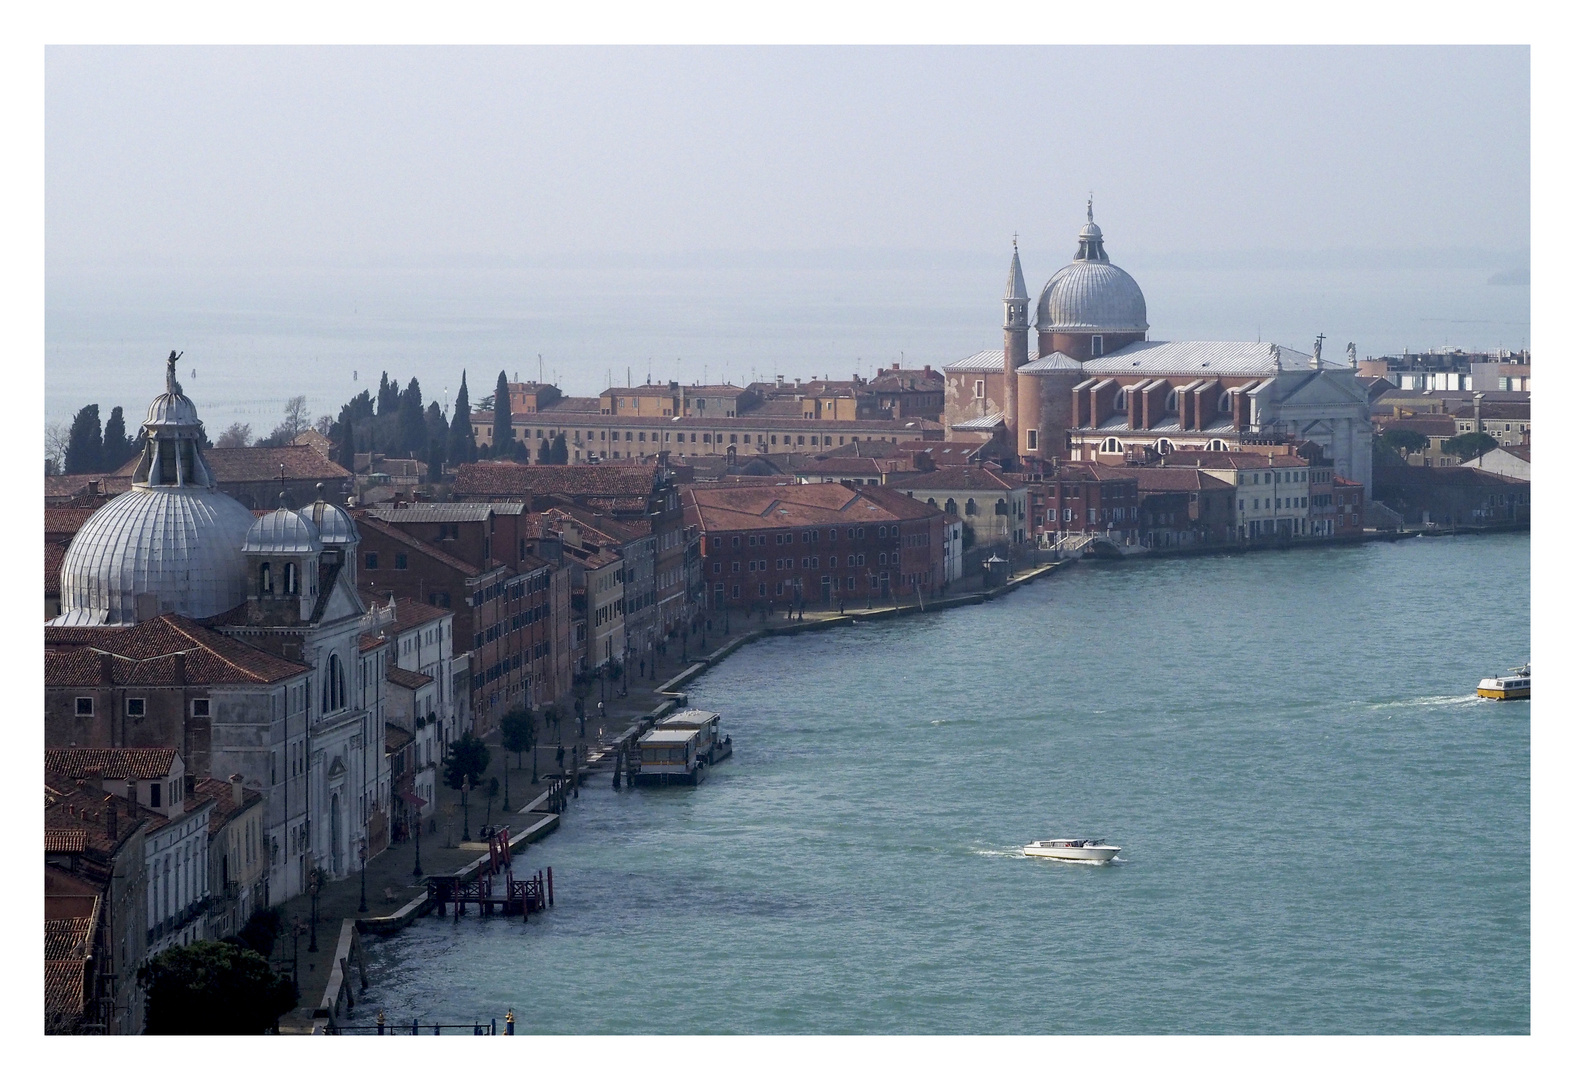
column 292, row 584
column 973, row 508
column 265, row 580
column 1111, row 445
column 1225, row 403
column 951, row 507
column 1219, row 445
column 1171, row 402
column 931, row 502
column 1121, row 400
column 1000, row 507
column 1165, row 446
column 334, row 685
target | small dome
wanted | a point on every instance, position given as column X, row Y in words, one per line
column 1090, row 232
column 333, row 523
column 1092, row 296
column 282, row 532
column 172, row 410
column 179, row 545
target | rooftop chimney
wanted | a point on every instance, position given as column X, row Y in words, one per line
column 92, row 487
column 111, row 826
column 237, row 792
column 131, row 796
column 93, row 778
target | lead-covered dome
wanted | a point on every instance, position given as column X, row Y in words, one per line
column 282, row 532
column 1091, row 294
column 173, row 543
column 333, row 523
column 178, row 547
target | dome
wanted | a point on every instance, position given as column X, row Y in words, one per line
column 1092, row 294
column 173, row 409
column 1088, row 296
column 179, row 545
column 282, row 532
column 333, row 523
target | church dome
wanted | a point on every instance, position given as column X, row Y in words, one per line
column 170, row 544
column 181, row 547
column 333, row 523
column 282, row 532
column 1091, row 294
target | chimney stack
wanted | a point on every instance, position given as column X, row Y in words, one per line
column 93, row 779
column 131, row 795
column 237, row 792
column 110, row 824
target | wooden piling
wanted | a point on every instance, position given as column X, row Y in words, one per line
column 549, row 886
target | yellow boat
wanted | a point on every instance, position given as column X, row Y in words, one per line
column 1512, row 687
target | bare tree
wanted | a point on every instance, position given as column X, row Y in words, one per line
column 324, row 425
column 297, row 418
column 56, row 438
column 237, row 434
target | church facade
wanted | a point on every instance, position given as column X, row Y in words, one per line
column 1093, row 387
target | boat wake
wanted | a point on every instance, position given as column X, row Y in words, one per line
column 1428, row 701
column 992, row 853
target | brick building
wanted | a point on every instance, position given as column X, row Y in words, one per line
column 822, row 544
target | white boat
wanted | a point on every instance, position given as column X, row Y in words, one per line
column 1091, row 851
column 1512, row 687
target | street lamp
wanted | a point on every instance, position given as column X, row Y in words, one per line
column 363, row 875
column 418, row 842
column 464, row 801
column 313, row 888
column 296, row 930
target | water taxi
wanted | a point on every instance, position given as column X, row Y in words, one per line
column 1090, row 851
column 1514, row 686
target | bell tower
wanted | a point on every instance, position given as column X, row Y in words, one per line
column 1015, row 327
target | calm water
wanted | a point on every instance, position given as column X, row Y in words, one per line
column 1322, row 829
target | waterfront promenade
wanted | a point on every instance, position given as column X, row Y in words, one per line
column 390, row 879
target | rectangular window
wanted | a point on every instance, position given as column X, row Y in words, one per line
column 155, row 794
column 84, row 706
column 1033, row 439
column 136, row 706
column 400, row 562
column 978, row 388
column 371, row 560
column 199, row 706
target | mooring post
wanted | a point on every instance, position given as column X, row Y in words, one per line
column 380, row 1021
column 415, row 1026
column 549, row 886
column 508, row 1022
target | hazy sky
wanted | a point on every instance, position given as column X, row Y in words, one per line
column 304, row 154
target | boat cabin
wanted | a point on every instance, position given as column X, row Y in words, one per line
column 707, row 724
column 669, row 755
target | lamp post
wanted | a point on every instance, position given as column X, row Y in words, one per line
column 312, row 888
column 296, row 930
column 464, row 801
column 362, row 852
column 418, row 842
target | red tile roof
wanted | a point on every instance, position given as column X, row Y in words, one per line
column 718, row 508
column 225, row 806
column 62, row 522
column 145, row 655
column 114, row 763
column 493, row 480
column 410, row 680
column 957, row 478
column 253, row 464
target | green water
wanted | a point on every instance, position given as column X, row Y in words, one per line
column 1322, row 829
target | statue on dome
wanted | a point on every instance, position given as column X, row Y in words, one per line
column 1350, row 352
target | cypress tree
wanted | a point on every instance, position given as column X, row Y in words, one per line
column 387, row 396
column 117, row 448
column 437, row 430
column 347, row 445
column 461, row 434
column 85, row 449
column 502, row 419
column 412, row 420
column 544, row 453
column 560, row 450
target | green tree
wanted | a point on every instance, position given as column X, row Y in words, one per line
column 468, row 757
column 544, row 453
column 519, row 732
column 117, row 448
column 85, row 448
column 560, row 450
column 502, row 419
column 1404, row 441
column 1471, row 444
column 437, row 430
column 346, row 455
column 237, row 434
column 387, row 396
column 260, row 931
column 213, row 988
column 461, row 435
column 412, row 420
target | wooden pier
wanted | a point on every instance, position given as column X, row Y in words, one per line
column 494, row 890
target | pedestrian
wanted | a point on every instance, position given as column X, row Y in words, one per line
column 642, row 669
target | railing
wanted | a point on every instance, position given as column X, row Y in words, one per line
column 420, row 1027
